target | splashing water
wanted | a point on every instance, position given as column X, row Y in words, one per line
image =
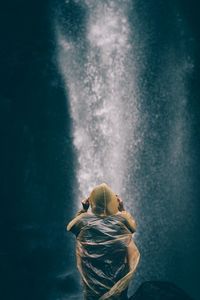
column 100, row 79
column 131, row 133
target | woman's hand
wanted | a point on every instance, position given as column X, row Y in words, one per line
column 85, row 203
column 121, row 204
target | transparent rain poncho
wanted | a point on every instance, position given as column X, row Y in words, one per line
column 106, row 254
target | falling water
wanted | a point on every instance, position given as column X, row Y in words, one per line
column 126, row 85
column 100, row 80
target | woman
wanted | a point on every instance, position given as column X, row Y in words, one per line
column 106, row 254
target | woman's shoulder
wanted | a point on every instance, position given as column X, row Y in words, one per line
column 127, row 219
column 76, row 220
column 124, row 214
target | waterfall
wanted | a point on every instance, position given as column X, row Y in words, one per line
column 126, row 67
column 100, row 79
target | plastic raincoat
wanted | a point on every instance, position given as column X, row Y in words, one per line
column 106, row 254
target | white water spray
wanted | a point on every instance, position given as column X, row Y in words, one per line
column 100, row 81
column 115, row 132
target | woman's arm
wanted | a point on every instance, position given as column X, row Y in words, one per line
column 130, row 220
column 74, row 221
column 79, row 214
column 133, row 256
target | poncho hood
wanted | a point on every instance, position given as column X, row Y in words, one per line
column 103, row 200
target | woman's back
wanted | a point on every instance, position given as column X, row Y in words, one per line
column 103, row 243
column 102, row 252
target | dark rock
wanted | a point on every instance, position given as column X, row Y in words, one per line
column 159, row 290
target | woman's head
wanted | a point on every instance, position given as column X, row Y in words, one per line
column 103, row 200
